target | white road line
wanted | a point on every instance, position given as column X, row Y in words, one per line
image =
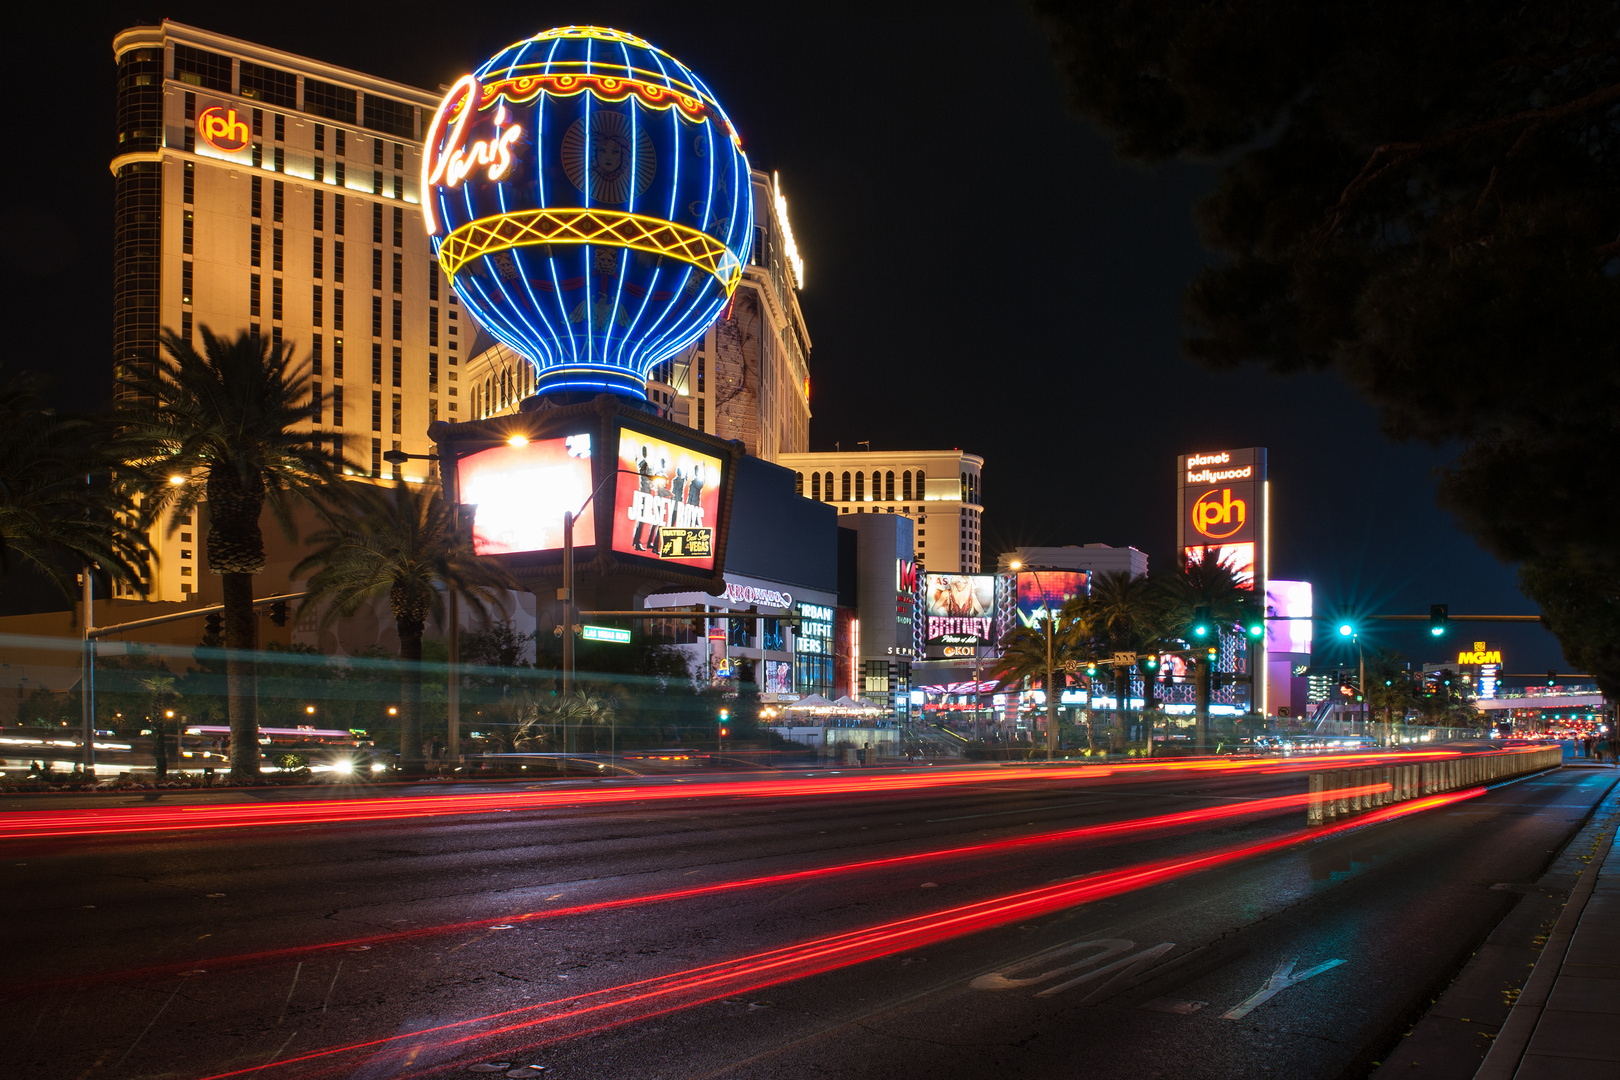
column 1280, row 980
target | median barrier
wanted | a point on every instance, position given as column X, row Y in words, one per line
column 1418, row 780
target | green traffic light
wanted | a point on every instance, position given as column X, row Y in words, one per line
column 1256, row 629
column 1345, row 629
column 1438, row 631
column 1200, row 630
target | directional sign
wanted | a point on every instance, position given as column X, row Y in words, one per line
column 606, row 633
column 685, row 543
column 1124, row 659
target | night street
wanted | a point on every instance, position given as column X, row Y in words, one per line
column 1378, row 918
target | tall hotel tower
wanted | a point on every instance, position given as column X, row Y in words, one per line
column 258, row 190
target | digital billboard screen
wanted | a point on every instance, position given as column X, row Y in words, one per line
column 1288, row 616
column 665, row 486
column 519, row 494
column 1239, row 557
column 1048, row 589
column 960, row 609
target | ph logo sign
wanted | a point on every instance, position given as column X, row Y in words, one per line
column 1218, row 515
column 223, row 128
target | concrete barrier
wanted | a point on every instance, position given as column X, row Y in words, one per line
column 1419, row 779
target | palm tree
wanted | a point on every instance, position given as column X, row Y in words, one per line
column 1024, row 652
column 231, row 414
column 397, row 541
column 1123, row 614
column 51, row 516
column 1208, row 588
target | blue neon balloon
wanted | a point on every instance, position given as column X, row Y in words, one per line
column 591, row 203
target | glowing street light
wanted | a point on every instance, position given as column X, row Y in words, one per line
column 1345, row 630
column 518, row 440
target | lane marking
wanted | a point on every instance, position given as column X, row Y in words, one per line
column 1280, row 980
column 1006, row 979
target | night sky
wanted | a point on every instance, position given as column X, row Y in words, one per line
column 981, row 272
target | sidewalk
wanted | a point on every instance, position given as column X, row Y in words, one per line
column 1565, row 1024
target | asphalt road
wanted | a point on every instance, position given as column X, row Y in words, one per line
column 115, row 960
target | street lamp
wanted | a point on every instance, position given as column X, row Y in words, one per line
column 1051, row 695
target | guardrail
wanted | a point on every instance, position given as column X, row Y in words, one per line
column 1417, row 780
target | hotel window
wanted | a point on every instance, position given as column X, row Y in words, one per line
column 337, row 357
column 376, row 151
column 337, row 309
column 905, row 485
column 399, row 270
column 315, row 404
column 191, row 105
column 278, row 161
column 393, row 467
column 399, row 158
column 376, row 457
column 376, row 410
column 815, row 486
column 399, row 366
column 828, row 487
column 337, row 404
column 700, row 374
column 190, row 142
column 376, row 316
column 317, row 258
column 376, row 223
column 189, row 185
column 700, row 414
column 333, row 102
column 258, row 155
column 376, row 269
column 275, row 335
column 922, row 486
column 337, row 174
column 255, row 245
column 258, row 122
column 337, row 214
column 888, row 487
column 399, row 228
column 315, row 306
column 253, row 295
column 339, row 134
column 256, row 209
column 376, row 182
column 185, row 282
column 275, row 250
column 210, row 70
column 860, row 487
column 433, row 372
column 185, row 325
column 275, row 298
column 798, row 484
column 433, row 327
column 315, row 354
column 397, row 317
column 433, row 281
column 188, row 227
column 433, row 409
column 281, row 128
column 846, row 487
column 337, row 260
column 320, row 136
column 398, row 415
column 376, row 364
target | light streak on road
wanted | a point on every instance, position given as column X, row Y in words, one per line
column 1109, row 830
column 646, row 998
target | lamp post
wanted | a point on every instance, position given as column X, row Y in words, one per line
column 1051, row 694
column 1348, row 630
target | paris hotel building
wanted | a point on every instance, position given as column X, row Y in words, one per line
column 259, row 190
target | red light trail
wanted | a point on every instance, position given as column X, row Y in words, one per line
column 646, row 998
column 1109, row 830
column 122, row 821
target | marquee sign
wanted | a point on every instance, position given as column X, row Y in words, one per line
column 1221, row 502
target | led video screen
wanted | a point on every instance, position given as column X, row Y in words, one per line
column 960, row 608
column 1048, row 588
column 666, row 504
column 520, row 493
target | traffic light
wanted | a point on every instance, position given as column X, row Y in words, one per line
column 1151, row 663
column 1346, row 629
column 1212, row 652
column 213, row 625
column 278, row 613
column 1256, row 627
column 1201, row 625
column 1552, row 678
column 1091, row 669
column 725, row 722
column 1437, row 619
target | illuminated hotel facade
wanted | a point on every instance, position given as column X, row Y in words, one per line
column 259, row 190
column 940, row 490
column 746, row 378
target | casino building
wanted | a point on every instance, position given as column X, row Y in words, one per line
column 259, row 189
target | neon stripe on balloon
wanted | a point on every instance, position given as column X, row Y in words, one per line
column 592, row 225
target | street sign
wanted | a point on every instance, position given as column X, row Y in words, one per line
column 685, row 543
column 1124, row 659
column 606, row 633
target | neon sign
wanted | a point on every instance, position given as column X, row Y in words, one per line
column 223, row 129
column 1218, row 518
column 1482, row 656
column 452, row 161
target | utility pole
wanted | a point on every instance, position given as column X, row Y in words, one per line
column 87, row 685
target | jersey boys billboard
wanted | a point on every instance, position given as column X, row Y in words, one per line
column 1221, row 496
column 518, row 494
column 665, row 486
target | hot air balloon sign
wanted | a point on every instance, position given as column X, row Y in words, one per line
column 590, row 202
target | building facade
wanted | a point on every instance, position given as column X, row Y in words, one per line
column 262, row 191
column 939, row 490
